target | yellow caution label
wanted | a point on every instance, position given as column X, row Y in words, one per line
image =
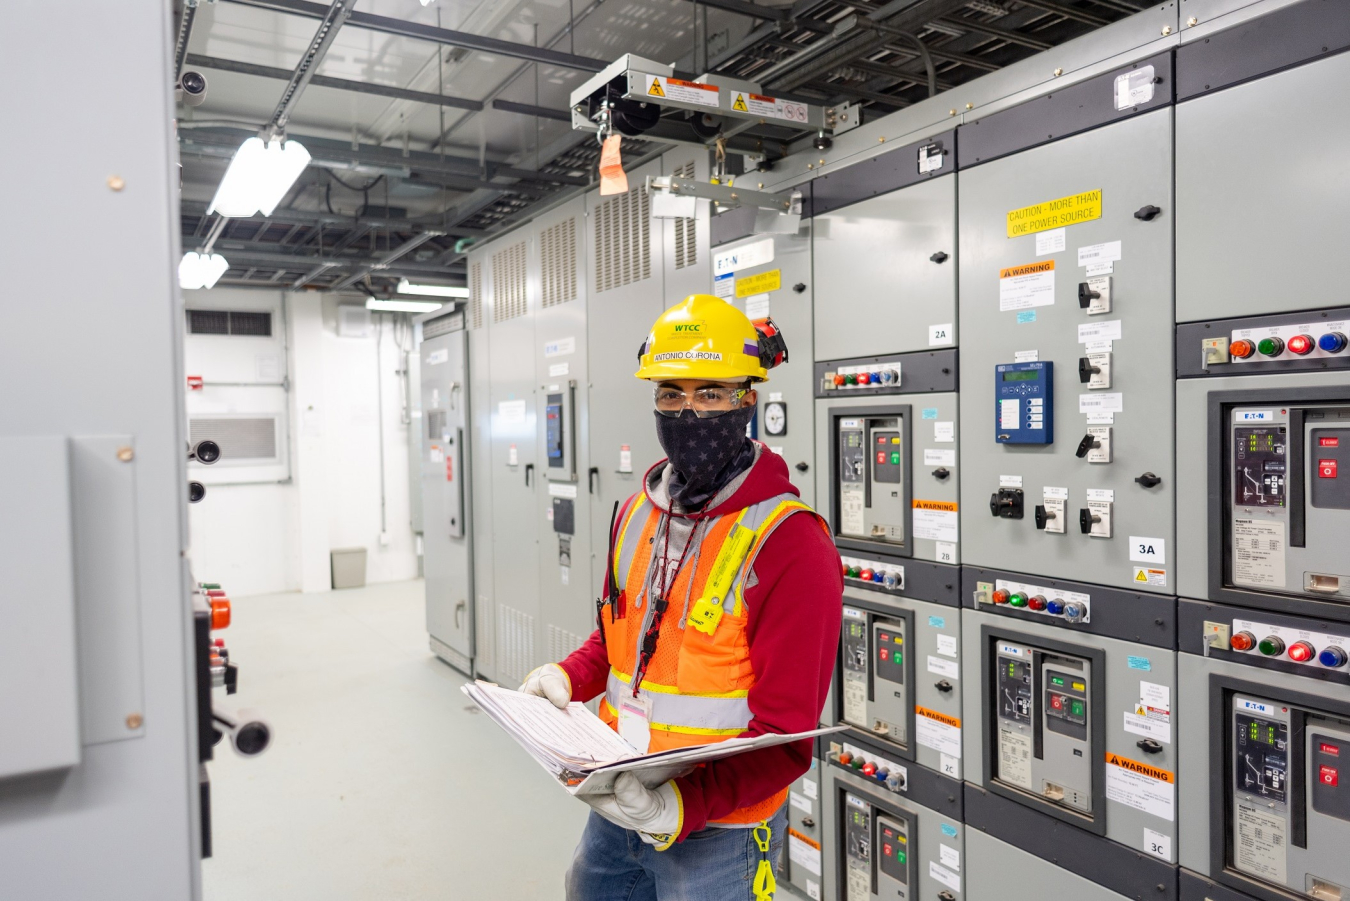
column 1027, row 269
column 1055, row 213
column 1142, row 769
column 803, row 837
column 946, row 506
column 655, row 89
column 751, row 285
column 739, row 104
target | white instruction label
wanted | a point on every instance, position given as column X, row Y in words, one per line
column 813, row 890
column 1010, row 413
column 1099, row 331
column 941, row 335
column 1260, row 843
column 803, row 852
column 724, row 286
column 438, row 356
column 950, row 857
column 1026, row 356
column 1099, row 253
column 944, row 668
column 625, row 458
column 944, row 875
column 1023, row 287
column 940, row 457
column 936, row 525
column 559, row 369
column 1100, row 494
column 1141, row 786
column 1010, row 481
column 560, row 348
column 1258, row 552
column 944, row 431
column 810, row 790
column 933, row 730
column 1049, row 242
column 1157, row 844
column 946, row 645
column 802, row 804
column 1014, row 757
column 946, row 552
column 754, row 253
column 513, row 459
column 1052, row 493
column 1101, row 403
column 511, row 411
column 1095, row 269
column 1134, row 87
column 1148, row 550
column 683, row 91
column 757, row 306
column 1140, row 724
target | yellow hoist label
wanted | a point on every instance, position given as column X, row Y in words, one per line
column 1056, row 213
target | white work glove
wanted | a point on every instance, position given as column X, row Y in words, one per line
column 656, row 814
column 549, row 681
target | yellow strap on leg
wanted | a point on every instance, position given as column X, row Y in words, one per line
column 765, row 883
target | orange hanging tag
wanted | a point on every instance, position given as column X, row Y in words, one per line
column 613, row 180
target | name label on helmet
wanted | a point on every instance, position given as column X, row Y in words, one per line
column 687, row 355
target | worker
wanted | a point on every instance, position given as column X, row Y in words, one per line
column 720, row 617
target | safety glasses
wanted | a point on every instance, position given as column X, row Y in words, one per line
column 707, row 402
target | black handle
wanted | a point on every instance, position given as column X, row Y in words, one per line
column 529, row 469
column 1295, row 489
column 939, row 257
column 1148, row 480
column 803, row 466
column 799, row 287
column 1087, row 444
column 941, row 472
column 1041, row 516
column 1147, row 213
column 808, row 822
column 1085, row 519
column 1086, row 295
column 943, row 686
column 591, row 478
column 1086, row 370
column 1149, row 746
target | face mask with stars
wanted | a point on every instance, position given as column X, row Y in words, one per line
column 703, row 452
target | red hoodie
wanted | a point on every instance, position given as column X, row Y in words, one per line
column 794, row 613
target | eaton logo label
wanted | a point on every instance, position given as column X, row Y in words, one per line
column 1012, row 649
column 1255, row 416
column 1256, row 707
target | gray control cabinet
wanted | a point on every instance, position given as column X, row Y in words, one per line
column 780, row 287
column 1263, row 746
column 800, row 867
column 879, row 843
column 626, row 294
column 1075, row 725
column 477, row 315
column 999, row 871
column 563, row 508
column 865, row 306
column 1226, row 264
column 448, row 525
column 1015, row 308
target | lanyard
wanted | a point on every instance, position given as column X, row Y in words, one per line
column 668, row 579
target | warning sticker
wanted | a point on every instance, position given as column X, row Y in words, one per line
column 1148, row 575
column 804, row 851
column 1031, row 285
column 940, row 524
column 770, row 107
column 683, row 91
column 749, row 285
column 1050, row 214
column 1141, row 786
column 1258, row 552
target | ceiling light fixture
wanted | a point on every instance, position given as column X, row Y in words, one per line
column 406, row 287
column 260, row 174
column 403, row 306
column 200, row 270
column 428, row 2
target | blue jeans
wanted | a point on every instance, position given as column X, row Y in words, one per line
column 614, row 864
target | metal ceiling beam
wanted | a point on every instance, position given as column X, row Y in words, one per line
column 329, row 24
column 341, row 84
column 186, row 17
column 315, row 219
column 446, row 36
column 542, row 112
column 1067, row 12
column 993, row 31
column 384, row 262
column 745, row 8
column 241, row 257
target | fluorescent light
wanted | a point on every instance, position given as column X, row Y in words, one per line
column 259, row 176
column 403, row 306
column 428, row 2
column 405, row 287
column 201, row 270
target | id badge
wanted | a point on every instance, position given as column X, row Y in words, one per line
column 634, row 722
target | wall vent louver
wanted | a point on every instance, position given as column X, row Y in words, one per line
column 515, row 643
column 476, row 295
column 247, row 323
column 558, row 262
column 250, row 439
column 623, row 251
column 686, row 230
column 508, row 283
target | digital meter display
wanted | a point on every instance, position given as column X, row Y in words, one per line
column 1262, row 757
column 1023, row 376
column 1259, row 466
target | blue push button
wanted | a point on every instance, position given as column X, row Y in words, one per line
column 1055, row 607
column 1332, row 657
column 1332, row 342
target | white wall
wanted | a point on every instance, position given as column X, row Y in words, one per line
column 257, row 539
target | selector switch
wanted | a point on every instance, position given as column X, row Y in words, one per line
column 1094, row 520
column 1094, row 370
column 1094, row 295
column 1050, row 516
column 1006, row 503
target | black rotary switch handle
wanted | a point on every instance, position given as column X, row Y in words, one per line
column 939, row 257
column 803, row 466
column 1086, row 295
column 943, row 686
column 1088, row 443
column 1148, row 480
column 1085, row 520
column 941, row 472
column 1042, row 516
column 1086, row 370
column 1149, row 746
column 1147, row 213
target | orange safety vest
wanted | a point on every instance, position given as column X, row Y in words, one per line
column 697, row 683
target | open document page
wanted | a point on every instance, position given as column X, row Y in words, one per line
column 585, row 755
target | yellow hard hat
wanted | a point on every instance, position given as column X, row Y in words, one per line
column 704, row 337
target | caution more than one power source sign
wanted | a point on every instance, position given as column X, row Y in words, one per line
column 1056, row 213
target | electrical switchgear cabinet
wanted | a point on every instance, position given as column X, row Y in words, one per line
column 1073, row 720
column 1266, row 735
column 800, row 867
column 448, row 525
column 480, row 445
column 1002, row 871
column 1109, row 468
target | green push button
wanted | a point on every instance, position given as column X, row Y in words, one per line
column 850, row 379
column 854, row 572
column 1270, row 347
column 895, row 458
column 1018, row 599
column 1271, row 646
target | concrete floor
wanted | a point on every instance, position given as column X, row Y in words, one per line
column 380, row 783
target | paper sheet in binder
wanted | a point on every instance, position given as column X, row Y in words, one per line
column 585, row 755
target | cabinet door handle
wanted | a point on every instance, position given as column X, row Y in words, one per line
column 529, row 470
column 592, row 478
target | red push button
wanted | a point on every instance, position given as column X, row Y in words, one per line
column 1327, row 775
column 1301, row 344
column 884, row 653
column 1057, row 702
column 1326, row 469
column 1301, row 652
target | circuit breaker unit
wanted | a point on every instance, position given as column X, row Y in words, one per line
column 891, row 831
column 873, row 489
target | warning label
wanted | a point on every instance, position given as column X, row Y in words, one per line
column 949, row 506
column 683, row 91
column 1150, row 576
column 804, row 851
column 1056, row 213
column 1141, row 786
column 770, row 107
column 749, row 285
column 1029, row 285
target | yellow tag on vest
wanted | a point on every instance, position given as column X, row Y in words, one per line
column 706, row 615
column 707, row 611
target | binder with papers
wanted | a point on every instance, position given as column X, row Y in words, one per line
column 585, row 755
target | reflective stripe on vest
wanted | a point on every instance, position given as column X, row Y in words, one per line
column 723, row 716
column 625, row 548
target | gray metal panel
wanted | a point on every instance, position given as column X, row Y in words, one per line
column 1126, row 666
column 1270, row 136
column 566, row 593
column 617, row 321
column 1020, row 855
column 37, row 645
column 107, row 588
column 1193, row 547
column 1130, row 162
column 732, row 225
column 920, row 371
column 446, row 470
column 412, row 385
column 881, row 174
column 129, row 814
column 1076, row 108
column 688, row 267
column 480, row 485
column 1190, row 336
column 1283, row 38
column 804, row 817
column 863, row 308
column 792, row 382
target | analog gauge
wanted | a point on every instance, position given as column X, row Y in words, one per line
column 775, row 418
